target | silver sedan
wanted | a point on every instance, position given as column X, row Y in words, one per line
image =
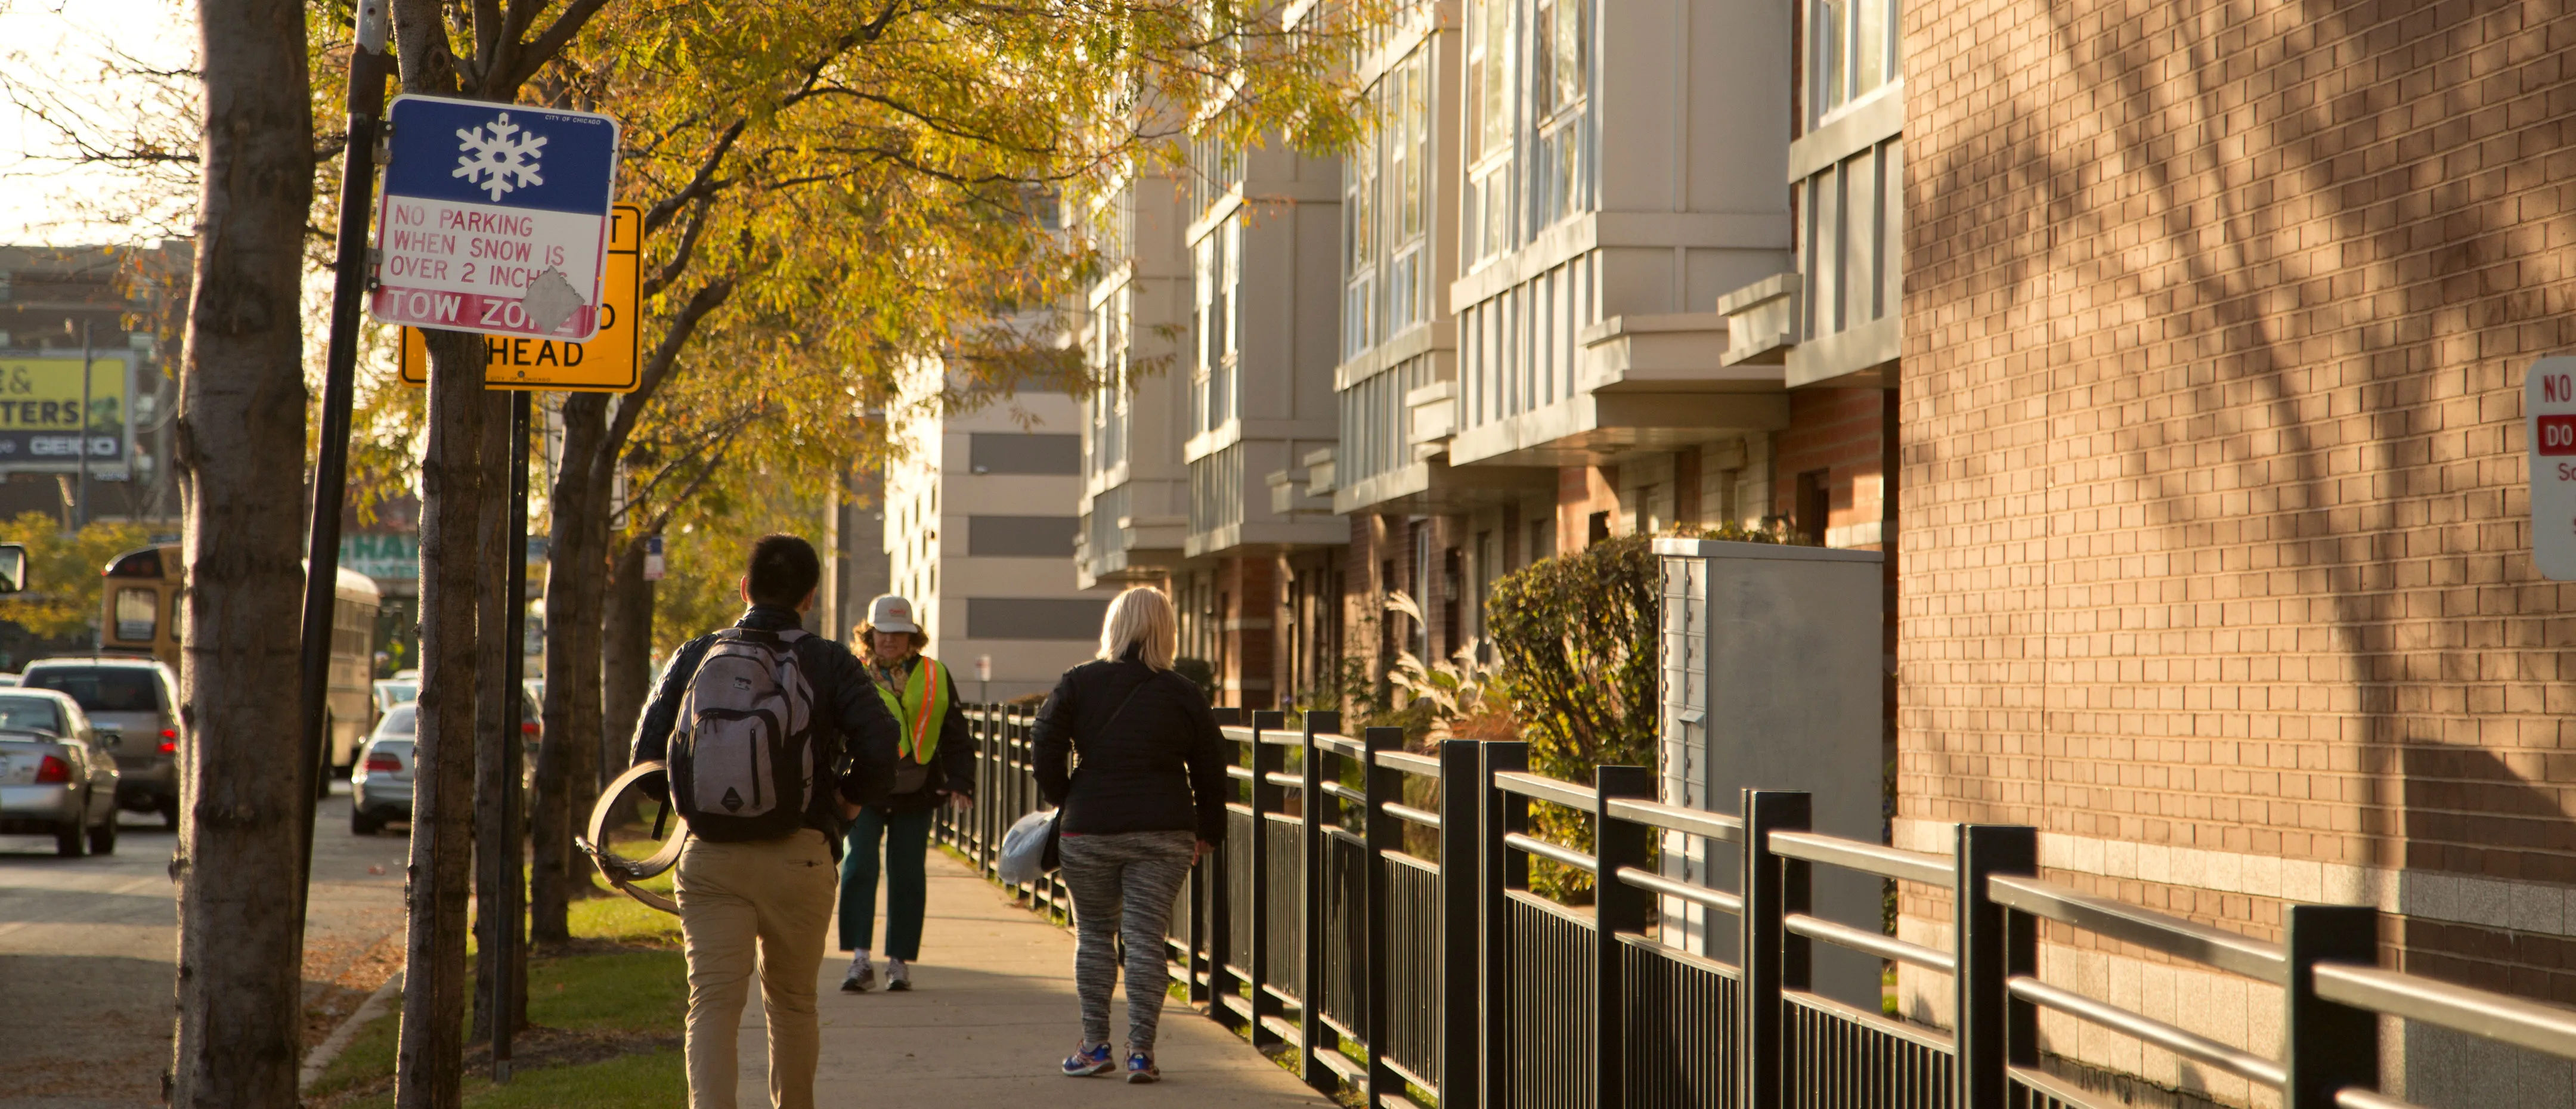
column 57, row 775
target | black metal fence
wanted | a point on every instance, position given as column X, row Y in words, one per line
column 1393, row 890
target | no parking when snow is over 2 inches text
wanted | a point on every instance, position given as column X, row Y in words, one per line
column 494, row 218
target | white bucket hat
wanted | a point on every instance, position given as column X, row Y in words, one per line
column 890, row 613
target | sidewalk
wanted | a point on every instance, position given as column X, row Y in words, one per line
column 991, row 1014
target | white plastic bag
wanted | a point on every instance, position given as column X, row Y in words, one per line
column 1024, row 848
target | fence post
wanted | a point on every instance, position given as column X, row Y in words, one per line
column 1774, row 960
column 1384, row 833
column 1503, row 870
column 2327, row 1046
column 1314, row 1037
column 1989, row 1043
column 1215, row 917
column 1460, row 811
column 1617, row 908
column 1266, row 799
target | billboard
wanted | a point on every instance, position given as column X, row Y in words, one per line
column 41, row 424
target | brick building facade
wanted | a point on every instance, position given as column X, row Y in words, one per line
column 2217, row 565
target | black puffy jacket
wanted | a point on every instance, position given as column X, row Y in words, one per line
column 1159, row 768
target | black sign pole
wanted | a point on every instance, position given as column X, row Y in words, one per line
column 368, row 70
column 507, row 963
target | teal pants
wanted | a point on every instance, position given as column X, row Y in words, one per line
column 906, row 837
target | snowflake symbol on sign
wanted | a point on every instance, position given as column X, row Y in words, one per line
column 503, row 160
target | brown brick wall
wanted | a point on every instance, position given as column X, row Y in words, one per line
column 2216, row 317
column 1836, row 431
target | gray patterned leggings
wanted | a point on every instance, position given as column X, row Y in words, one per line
column 1123, row 887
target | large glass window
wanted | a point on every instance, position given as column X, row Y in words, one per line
column 1851, row 51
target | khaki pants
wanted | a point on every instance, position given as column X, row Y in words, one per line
column 747, row 905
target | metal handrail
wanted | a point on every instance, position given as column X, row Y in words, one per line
column 1239, row 773
column 1870, row 943
column 2544, row 1028
column 1868, row 858
column 1341, row 745
column 1545, row 850
column 1410, row 763
column 1346, row 793
column 2245, row 1065
column 2146, row 928
column 1292, row 781
column 1546, row 789
column 1650, row 881
column 1673, row 818
column 2354, row 1097
column 1240, row 733
column 1424, row 817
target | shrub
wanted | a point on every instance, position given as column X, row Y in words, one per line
column 1576, row 637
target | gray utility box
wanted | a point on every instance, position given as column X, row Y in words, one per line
column 1774, row 678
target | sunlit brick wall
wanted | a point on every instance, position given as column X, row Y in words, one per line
column 2215, row 564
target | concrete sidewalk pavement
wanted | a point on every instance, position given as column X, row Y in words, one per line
column 991, row 1014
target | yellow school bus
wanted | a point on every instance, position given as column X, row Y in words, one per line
column 140, row 613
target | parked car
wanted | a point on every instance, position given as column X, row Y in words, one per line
column 8, row 679
column 58, row 775
column 380, row 788
column 135, row 699
column 395, row 691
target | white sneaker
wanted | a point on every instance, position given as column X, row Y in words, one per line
column 862, row 976
column 898, row 979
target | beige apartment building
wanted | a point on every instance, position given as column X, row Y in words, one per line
column 979, row 533
column 2217, row 562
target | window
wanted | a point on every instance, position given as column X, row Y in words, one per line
column 30, row 714
column 996, row 452
column 1218, row 272
column 1020, row 536
column 1034, row 618
column 102, row 688
column 1851, row 51
column 138, row 614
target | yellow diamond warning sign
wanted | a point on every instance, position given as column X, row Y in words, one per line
column 608, row 363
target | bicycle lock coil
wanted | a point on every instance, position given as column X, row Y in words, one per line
column 622, row 873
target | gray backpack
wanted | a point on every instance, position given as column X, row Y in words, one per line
column 742, row 753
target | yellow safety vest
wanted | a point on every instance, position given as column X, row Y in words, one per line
column 921, row 708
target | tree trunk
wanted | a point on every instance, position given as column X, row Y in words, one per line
column 492, row 725
column 584, row 424
column 429, row 1062
column 625, row 656
column 241, row 461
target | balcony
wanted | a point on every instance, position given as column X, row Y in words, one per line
column 1636, row 382
column 1838, row 320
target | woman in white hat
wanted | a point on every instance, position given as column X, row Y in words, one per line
column 936, row 764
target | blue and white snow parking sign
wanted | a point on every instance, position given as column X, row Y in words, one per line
column 495, row 218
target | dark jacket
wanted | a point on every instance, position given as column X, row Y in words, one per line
column 855, row 737
column 952, row 766
column 1159, row 768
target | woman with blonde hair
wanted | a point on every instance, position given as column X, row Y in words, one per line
column 1148, row 802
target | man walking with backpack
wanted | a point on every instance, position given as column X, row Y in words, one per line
column 758, row 723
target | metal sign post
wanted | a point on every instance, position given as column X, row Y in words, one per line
column 510, row 938
column 369, row 67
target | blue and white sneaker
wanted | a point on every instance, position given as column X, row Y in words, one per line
column 1089, row 1060
column 1141, row 1069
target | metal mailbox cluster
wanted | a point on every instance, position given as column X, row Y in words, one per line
column 1436, row 984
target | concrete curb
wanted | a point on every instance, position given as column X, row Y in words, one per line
column 331, row 1047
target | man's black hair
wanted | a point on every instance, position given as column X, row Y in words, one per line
column 783, row 571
